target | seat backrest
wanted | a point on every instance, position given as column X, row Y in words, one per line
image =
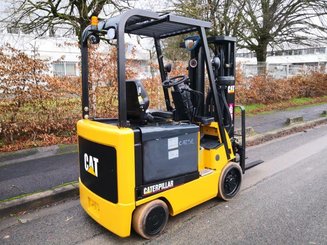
column 137, row 101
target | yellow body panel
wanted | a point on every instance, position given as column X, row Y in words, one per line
column 117, row 217
column 122, row 139
column 188, row 195
column 215, row 158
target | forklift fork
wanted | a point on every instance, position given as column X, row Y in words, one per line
column 241, row 147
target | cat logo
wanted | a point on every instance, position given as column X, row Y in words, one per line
column 231, row 89
column 91, row 164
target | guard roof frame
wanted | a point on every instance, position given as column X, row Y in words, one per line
column 139, row 22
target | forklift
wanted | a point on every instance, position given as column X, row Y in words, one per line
column 145, row 165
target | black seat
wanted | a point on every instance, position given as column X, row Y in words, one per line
column 137, row 101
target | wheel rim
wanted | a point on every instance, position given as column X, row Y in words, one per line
column 232, row 182
column 155, row 221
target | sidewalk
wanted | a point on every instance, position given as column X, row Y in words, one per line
column 42, row 169
column 266, row 122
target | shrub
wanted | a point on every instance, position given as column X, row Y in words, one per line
column 33, row 103
column 266, row 90
column 39, row 109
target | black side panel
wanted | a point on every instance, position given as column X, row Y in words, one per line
column 165, row 131
column 104, row 159
column 170, row 153
column 138, row 157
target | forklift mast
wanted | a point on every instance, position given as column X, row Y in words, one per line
column 223, row 65
column 224, row 50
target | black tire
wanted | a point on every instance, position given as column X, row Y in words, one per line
column 230, row 181
column 150, row 219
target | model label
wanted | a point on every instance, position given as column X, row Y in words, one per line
column 158, row 187
column 173, row 154
column 186, row 142
column 91, row 164
column 172, row 143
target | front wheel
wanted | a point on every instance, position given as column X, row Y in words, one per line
column 230, row 181
column 150, row 219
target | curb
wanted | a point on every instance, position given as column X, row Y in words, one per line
column 294, row 128
column 293, row 120
column 39, row 199
column 249, row 131
column 35, row 153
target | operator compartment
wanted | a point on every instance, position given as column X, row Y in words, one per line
column 169, row 151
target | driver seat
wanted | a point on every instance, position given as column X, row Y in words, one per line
column 137, row 101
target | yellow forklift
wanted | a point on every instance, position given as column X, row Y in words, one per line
column 138, row 169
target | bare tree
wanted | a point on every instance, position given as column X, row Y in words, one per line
column 225, row 15
column 44, row 16
column 276, row 22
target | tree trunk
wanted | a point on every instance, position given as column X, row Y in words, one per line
column 261, row 53
column 83, row 24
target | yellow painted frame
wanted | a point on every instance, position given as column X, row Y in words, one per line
column 117, row 217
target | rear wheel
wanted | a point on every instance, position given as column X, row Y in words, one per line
column 150, row 219
column 230, row 181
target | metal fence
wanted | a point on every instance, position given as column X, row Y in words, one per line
column 282, row 70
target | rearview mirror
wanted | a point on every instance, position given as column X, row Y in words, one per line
column 111, row 33
column 189, row 44
column 93, row 39
column 167, row 68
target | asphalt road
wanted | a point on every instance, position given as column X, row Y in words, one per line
column 37, row 175
column 283, row 201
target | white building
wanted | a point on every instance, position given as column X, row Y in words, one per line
column 285, row 63
column 61, row 50
column 63, row 53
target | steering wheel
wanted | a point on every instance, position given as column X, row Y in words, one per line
column 170, row 82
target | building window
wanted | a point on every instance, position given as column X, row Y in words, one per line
column 321, row 50
column 286, row 52
column 27, row 31
column 310, row 51
column 64, row 69
column 13, row 30
column 298, row 51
